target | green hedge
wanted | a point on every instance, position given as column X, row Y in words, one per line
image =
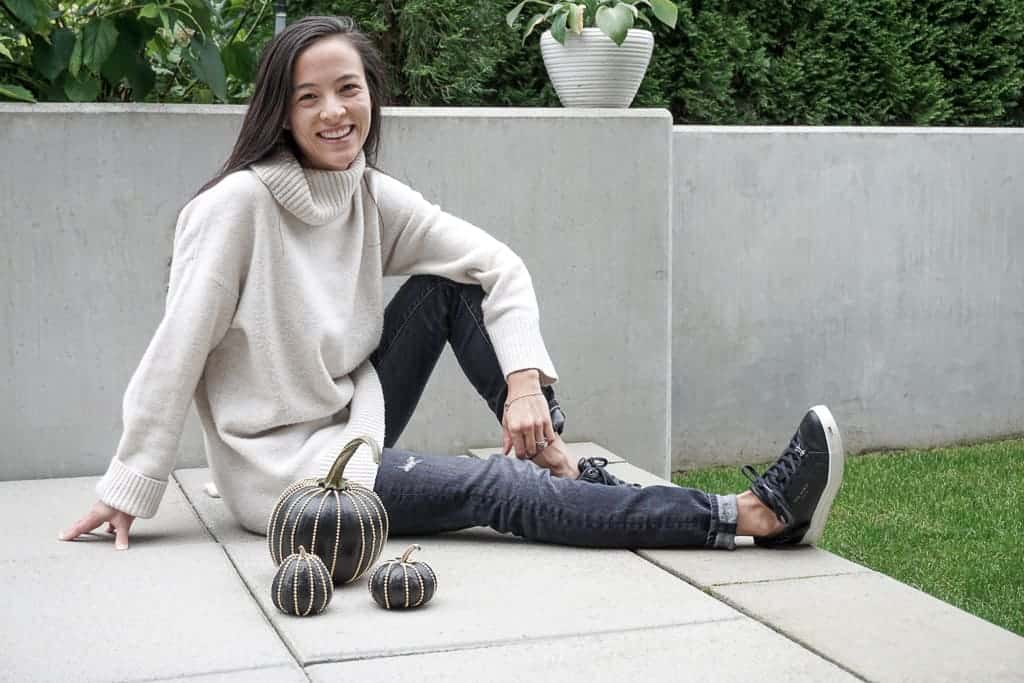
column 858, row 62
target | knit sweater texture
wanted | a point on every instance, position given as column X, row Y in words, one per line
column 274, row 305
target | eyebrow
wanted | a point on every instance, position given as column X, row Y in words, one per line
column 343, row 77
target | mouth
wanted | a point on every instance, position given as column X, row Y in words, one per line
column 336, row 135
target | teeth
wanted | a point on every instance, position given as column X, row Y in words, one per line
column 336, row 134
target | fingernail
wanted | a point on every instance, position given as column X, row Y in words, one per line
column 121, row 546
column 61, row 537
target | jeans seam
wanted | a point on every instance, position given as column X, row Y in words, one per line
column 481, row 328
column 405, row 321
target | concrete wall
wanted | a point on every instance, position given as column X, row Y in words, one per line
column 88, row 199
column 876, row 270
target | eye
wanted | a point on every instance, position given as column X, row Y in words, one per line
column 307, row 96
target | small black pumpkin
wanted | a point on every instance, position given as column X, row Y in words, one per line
column 302, row 585
column 342, row 522
column 401, row 584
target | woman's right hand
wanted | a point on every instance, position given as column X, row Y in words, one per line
column 118, row 523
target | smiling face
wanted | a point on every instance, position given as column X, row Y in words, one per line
column 329, row 107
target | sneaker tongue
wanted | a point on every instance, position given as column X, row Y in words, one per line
column 766, row 488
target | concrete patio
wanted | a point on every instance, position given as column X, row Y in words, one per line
column 190, row 600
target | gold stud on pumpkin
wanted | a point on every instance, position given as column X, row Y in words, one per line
column 302, row 585
column 342, row 522
column 401, row 584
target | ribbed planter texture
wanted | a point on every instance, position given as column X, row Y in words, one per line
column 590, row 70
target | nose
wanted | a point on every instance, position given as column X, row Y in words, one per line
column 333, row 109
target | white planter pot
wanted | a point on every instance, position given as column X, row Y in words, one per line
column 590, row 70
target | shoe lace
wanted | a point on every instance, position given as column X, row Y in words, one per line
column 768, row 486
column 592, row 468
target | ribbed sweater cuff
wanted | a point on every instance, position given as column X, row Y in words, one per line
column 519, row 345
column 128, row 491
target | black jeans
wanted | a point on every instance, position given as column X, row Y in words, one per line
column 426, row 494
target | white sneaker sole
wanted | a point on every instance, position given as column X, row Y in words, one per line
column 836, row 462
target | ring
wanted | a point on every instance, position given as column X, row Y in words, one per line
column 542, row 444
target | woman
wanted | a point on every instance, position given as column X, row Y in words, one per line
column 275, row 326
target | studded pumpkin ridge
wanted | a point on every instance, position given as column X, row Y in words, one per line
column 341, row 522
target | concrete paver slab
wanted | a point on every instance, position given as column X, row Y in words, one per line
column 212, row 511
column 882, row 629
column 578, row 449
column 492, row 589
column 274, row 674
column 67, row 500
column 635, row 475
column 712, row 567
column 154, row 611
column 735, row 650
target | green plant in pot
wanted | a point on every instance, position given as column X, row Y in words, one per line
column 592, row 52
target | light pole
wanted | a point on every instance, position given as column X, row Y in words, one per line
column 280, row 14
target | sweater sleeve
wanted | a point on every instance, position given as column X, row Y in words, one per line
column 212, row 238
column 417, row 237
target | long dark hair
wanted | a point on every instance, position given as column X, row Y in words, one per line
column 263, row 130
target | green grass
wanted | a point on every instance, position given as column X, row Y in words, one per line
column 949, row 521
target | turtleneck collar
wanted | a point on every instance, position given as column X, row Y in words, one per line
column 313, row 196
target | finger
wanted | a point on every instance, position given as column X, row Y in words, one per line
column 122, row 538
column 82, row 526
column 520, row 445
column 110, row 528
column 549, row 430
column 530, row 441
column 122, row 535
column 506, row 442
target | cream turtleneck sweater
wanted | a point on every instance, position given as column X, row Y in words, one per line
column 274, row 306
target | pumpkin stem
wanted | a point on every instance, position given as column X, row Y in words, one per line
column 409, row 551
column 302, row 552
column 334, row 480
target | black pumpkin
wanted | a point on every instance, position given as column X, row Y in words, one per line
column 401, row 584
column 302, row 585
column 342, row 522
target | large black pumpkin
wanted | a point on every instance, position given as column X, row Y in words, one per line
column 302, row 585
column 401, row 584
column 342, row 522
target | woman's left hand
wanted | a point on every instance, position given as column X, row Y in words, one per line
column 526, row 425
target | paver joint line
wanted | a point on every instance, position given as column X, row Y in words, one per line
column 490, row 644
column 799, row 642
column 295, row 656
column 708, row 591
column 259, row 606
column 212, row 672
column 483, row 645
column 195, row 511
column 790, row 578
column 705, row 587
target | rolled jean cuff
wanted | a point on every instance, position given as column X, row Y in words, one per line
column 724, row 513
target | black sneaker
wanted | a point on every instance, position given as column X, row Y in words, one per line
column 801, row 485
column 593, row 470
